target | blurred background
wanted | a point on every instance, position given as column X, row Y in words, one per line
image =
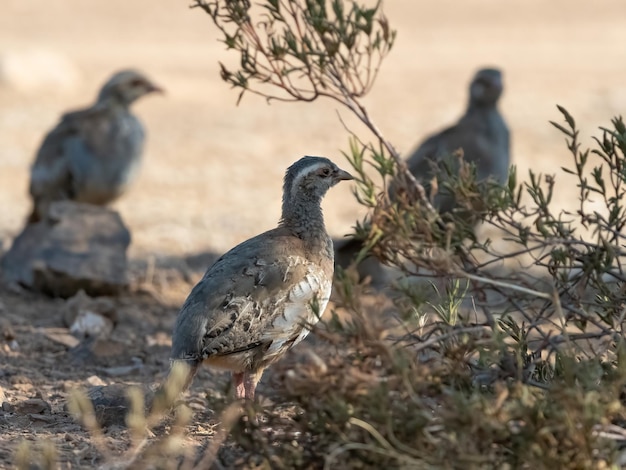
column 213, row 170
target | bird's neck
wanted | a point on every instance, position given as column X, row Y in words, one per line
column 474, row 107
column 303, row 217
column 483, row 116
column 112, row 103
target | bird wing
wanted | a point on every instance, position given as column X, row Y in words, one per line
column 425, row 163
column 484, row 143
column 424, row 160
column 253, row 303
column 51, row 173
column 484, row 138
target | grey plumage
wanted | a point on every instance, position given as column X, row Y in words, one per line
column 483, row 136
column 93, row 154
column 261, row 297
column 481, row 133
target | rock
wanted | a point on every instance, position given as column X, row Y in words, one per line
column 7, row 334
column 89, row 324
column 48, row 419
column 16, row 379
column 87, row 317
column 6, row 330
column 123, row 370
column 76, row 246
column 95, row 381
column 110, row 404
column 97, row 351
column 61, row 336
column 3, row 397
column 7, row 407
column 33, row 406
column 34, row 70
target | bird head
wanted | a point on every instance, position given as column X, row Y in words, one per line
column 311, row 177
column 125, row 87
column 486, row 87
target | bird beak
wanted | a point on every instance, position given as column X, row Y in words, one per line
column 343, row 175
column 152, row 88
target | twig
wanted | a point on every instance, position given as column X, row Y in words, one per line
column 503, row 284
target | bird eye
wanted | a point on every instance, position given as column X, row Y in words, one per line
column 325, row 172
column 136, row 82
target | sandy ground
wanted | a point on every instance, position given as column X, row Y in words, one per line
column 212, row 171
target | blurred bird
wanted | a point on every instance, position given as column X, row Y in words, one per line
column 93, row 154
column 263, row 296
column 481, row 133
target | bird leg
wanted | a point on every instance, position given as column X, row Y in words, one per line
column 245, row 383
column 240, row 391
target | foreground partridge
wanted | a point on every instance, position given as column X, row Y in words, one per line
column 483, row 136
column 93, row 154
column 263, row 296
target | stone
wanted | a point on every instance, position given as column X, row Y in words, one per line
column 33, row 406
column 111, row 404
column 47, row 419
column 76, row 246
column 97, row 351
column 7, row 407
column 60, row 336
column 88, row 317
column 123, row 370
column 90, row 324
column 95, row 381
column 6, row 330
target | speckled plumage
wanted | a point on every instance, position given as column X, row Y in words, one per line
column 93, row 154
column 261, row 297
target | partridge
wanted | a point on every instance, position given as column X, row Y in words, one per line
column 263, row 296
column 481, row 133
column 93, row 154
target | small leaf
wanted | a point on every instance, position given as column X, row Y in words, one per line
column 565, row 131
column 568, row 116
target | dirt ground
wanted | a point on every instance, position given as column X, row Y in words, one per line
column 212, row 170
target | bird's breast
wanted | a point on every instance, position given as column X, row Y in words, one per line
column 107, row 162
column 303, row 307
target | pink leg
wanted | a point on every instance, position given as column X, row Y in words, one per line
column 245, row 383
column 249, row 382
column 240, row 391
